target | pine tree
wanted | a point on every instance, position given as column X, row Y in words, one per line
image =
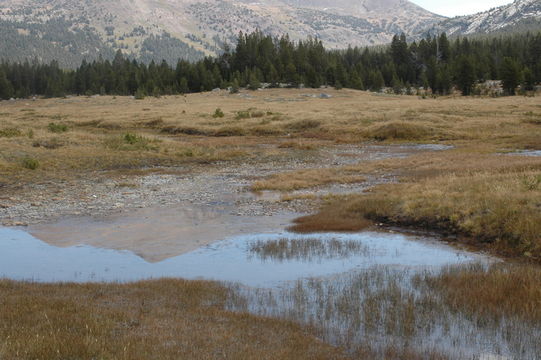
column 397, row 85
column 510, row 74
column 234, row 87
column 254, row 83
column 528, row 79
column 6, row 89
column 465, row 75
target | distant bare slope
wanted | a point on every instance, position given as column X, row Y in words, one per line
column 170, row 29
column 521, row 14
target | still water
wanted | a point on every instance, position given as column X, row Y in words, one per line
column 261, row 260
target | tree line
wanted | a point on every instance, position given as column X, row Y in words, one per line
column 435, row 63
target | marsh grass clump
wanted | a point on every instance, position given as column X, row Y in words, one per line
column 154, row 123
column 304, row 179
column 244, row 114
column 301, row 125
column 57, row 128
column 50, row 144
column 534, row 121
column 307, row 249
column 30, row 163
column 10, row 132
column 130, row 141
column 400, row 131
column 395, row 313
column 227, row 131
column 109, row 125
column 497, row 211
column 184, row 130
column 265, row 131
column 257, row 114
column 494, row 292
column 161, row 320
column 332, row 218
column 532, row 118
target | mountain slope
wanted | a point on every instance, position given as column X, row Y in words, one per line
column 170, row 29
column 521, row 14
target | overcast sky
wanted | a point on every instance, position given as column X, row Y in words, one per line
column 459, row 7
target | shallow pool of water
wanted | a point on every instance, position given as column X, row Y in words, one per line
column 236, row 259
column 526, row 153
column 531, row 153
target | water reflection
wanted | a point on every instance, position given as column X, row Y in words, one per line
column 23, row 257
column 307, row 249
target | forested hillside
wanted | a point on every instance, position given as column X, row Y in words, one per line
column 435, row 63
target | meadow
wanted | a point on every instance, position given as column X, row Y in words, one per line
column 482, row 193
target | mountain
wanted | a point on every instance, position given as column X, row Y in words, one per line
column 72, row 30
column 518, row 16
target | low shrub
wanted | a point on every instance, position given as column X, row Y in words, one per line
column 218, row 113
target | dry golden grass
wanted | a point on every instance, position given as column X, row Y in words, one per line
column 183, row 129
column 492, row 200
column 162, row 319
column 302, row 179
column 333, row 217
column 496, row 292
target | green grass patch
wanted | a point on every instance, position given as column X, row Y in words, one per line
column 57, row 128
column 131, row 142
column 30, row 163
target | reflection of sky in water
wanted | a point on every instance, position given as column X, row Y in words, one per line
column 531, row 153
column 23, row 257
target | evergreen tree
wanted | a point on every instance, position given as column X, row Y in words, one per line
column 6, row 89
column 528, row 79
column 465, row 75
column 510, row 73
column 254, row 83
column 434, row 62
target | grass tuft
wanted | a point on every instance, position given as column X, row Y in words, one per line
column 30, row 163
column 57, row 128
column 10, row 132
column 301, row 125
column 400, row 131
